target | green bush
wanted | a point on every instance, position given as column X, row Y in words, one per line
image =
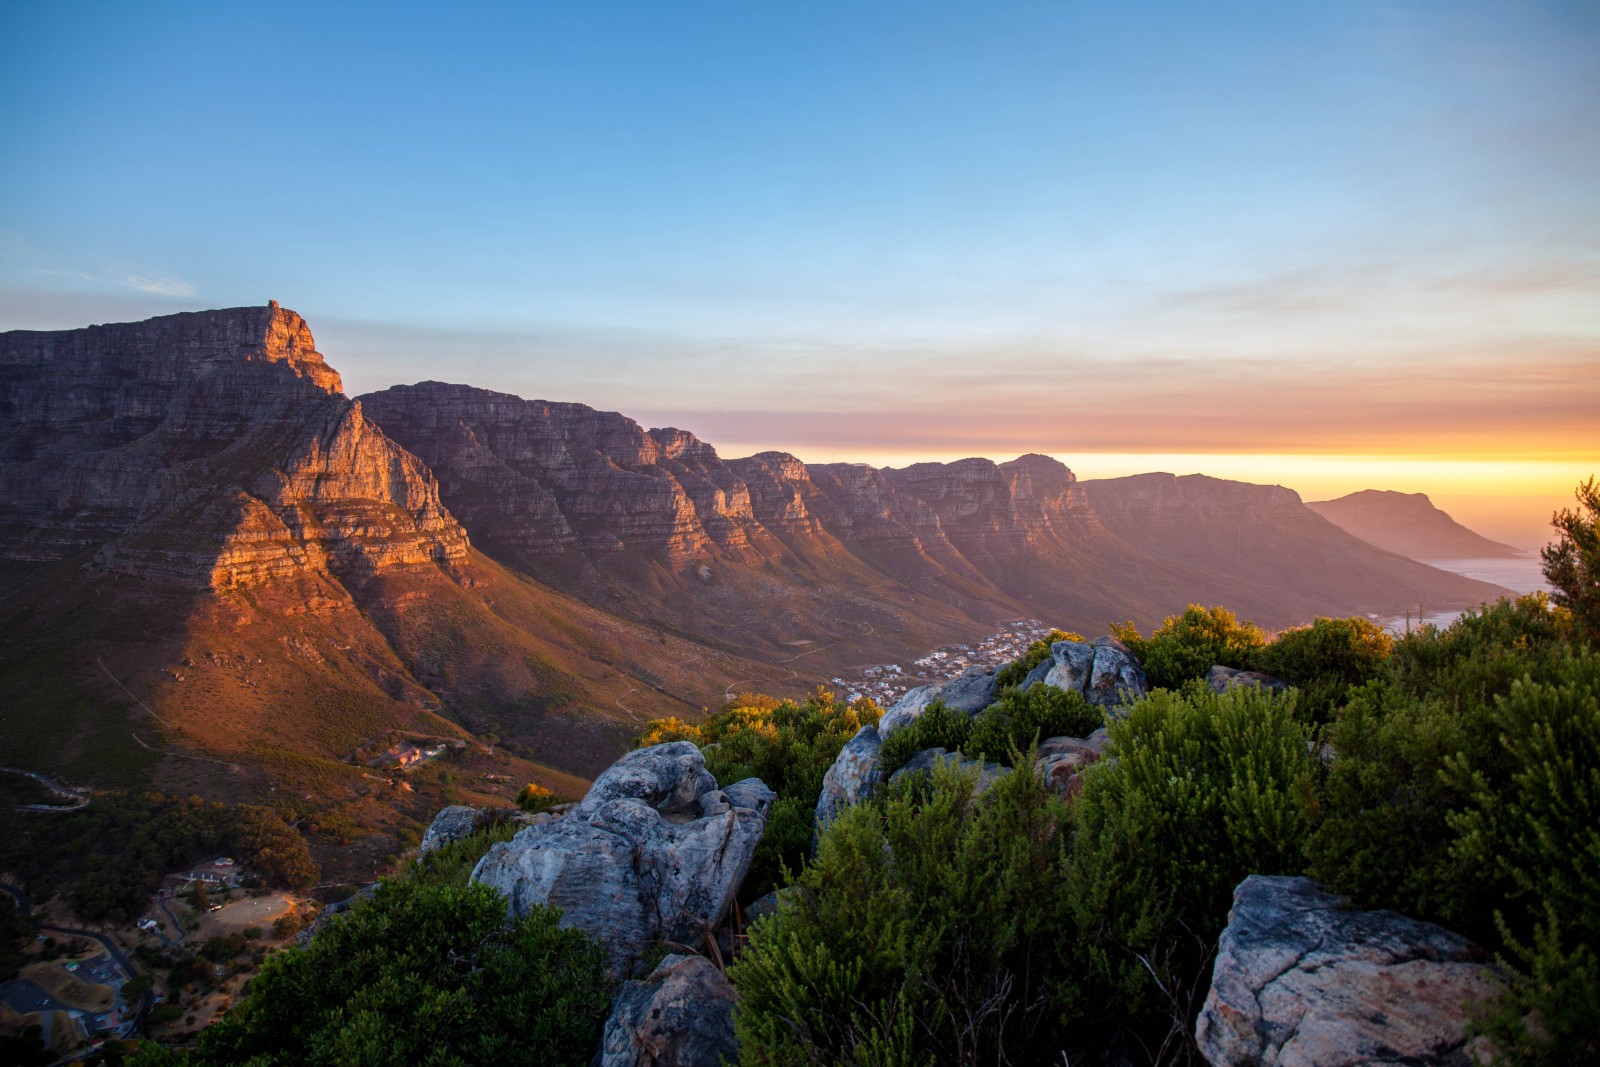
column 926, row 931
column 1203, row 790
column 1532, row 822
column 939, row 726
column 1572, row 563
column 1186, row 646
column 1325, row 659
column 1018, row 720
column 422, row 974
column 452, row 864
column 1014, row 672
column 1413, row 749
column 788, row 746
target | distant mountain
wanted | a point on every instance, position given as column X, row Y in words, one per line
column 748, row 553
column 1409, row 524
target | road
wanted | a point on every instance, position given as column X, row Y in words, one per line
column 78, row 797
column 147, row 1002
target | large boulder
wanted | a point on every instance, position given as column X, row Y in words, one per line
column 908, row 708
column 852, row 776
column 1300, row 981
column 654, row 851
column 972, row 690
column 452, row 824
column 680, row 1016
column 1104, row 671
column 1061, row 761
column 1220, row 679
column 923, row 763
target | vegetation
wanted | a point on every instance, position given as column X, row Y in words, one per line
column 1185, row 647
column 111, row 856
column 789, row 747
column 420, row 974
column 1019, row 720
column 1572, row 563
column 927, row 930
column 939, row 726
column 1325, row 659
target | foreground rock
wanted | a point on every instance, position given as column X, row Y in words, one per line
column 1220, row 679
column 452, row 824
column 1061, row 761
column 923, row 763
column 654, row 851
column 1104, row 671
column 1300, row 982
column 852, row 776
column 680, row 1016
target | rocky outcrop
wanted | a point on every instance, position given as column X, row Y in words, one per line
column 680, row 1016
column 1103, row 671
column 1060, row 762
column 450, row 825
column 852, row 776
column 922, row 765
column 972, row 690
column 908, row 708
column 1407, row 523
column 1220, row 679
column 209, row 449
column 1300, row 981
column 655, row 851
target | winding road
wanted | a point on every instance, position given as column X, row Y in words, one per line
column 147, row 1002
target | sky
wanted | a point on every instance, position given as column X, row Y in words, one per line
column 1330, row 246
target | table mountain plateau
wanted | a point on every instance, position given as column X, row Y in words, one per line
column 655, row 525
column 221, row 575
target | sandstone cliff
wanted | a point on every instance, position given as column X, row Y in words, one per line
column 206, row 449
column 589, row 500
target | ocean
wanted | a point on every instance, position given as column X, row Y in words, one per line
column 1520, row 574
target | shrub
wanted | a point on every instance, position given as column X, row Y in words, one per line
column 536, row 798
column 1203, row 790
column 1532, row 821
column 452, row 864
column 1014, row 672
column 423, row 974
column 1414, row 749
column 939, row 726
column 1325, row 659
column 1018, row 720
column 1186, row 646
column 926, row 931
column 1572, row 564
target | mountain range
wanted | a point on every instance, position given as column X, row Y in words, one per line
column 221, row 575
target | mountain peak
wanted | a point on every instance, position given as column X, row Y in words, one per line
column 1407, row 523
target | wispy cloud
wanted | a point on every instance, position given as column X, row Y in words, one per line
column 163, row 285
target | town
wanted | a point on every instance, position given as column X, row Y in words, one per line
column 886, row 683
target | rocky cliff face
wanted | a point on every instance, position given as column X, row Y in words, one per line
column 559, row 489
column 205, row 449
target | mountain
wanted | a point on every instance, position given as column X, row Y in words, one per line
column 751, row 553
column 1409, row 524
column 217, row 575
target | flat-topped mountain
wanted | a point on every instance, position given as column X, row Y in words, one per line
column 666, row 530
column 1408, row 523
column 210, row 449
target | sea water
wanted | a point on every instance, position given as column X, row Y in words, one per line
column 1520, row 574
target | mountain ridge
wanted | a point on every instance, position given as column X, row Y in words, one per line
column 1408, row 524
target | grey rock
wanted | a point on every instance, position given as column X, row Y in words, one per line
column 1098, row 740
column 1040, row 672
column 452, row 824
column 853, row 775
column 908, row 708
column 1300, row 981
column 1060, row 762
column 925, row 761
column 654, row 851
column 972, row 691
column 1105, row 672
column 1220, row 679
column 680, row 1016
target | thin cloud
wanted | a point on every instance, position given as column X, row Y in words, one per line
column 161, row 285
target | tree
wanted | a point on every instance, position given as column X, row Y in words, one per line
column 1572, row 563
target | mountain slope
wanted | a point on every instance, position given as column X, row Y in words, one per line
column 751, row 553
column 1408, row 523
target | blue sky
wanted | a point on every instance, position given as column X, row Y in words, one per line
column 875, row 230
